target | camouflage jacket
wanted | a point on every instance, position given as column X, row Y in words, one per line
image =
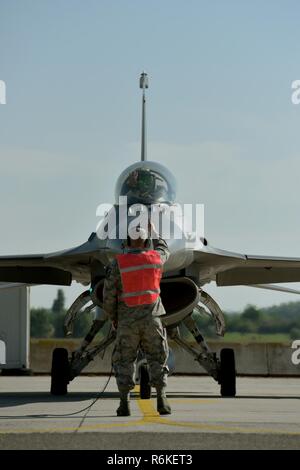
column 117, row 309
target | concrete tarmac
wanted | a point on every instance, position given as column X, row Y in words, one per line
column 264, row 415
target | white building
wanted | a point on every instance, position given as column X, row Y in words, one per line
column 14, row 328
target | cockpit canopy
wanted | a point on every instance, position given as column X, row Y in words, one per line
column 146, row 183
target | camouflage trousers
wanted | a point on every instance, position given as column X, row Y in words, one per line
column 149, row 335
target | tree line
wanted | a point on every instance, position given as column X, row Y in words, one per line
column 49, row 323
column 283, row 318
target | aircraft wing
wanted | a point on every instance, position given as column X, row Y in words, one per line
column 232, row 269
column 59, row 268
column 77, row 264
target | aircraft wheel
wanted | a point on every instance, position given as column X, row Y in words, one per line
column 227, row 373
column 145, row 387
column 60, row 372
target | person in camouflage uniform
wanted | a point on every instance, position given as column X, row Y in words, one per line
column 137, row 326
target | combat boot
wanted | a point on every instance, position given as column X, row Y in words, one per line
column 163, row 406
column 124, row 407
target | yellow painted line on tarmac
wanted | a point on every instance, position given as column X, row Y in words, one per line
column 147, row 409
column 151, row 416
column 139, row 422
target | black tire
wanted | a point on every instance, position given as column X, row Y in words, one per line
column 60, row 372
column 145, row 387
column 227, row 373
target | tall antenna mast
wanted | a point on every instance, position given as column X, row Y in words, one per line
column 143, row 85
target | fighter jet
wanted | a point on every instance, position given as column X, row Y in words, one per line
column 189, row 268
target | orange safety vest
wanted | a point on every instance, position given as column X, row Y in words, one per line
column 140, row 275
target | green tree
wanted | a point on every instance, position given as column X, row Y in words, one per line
column 58, row 314
column 251, row 313
column 40, row 323
column 81, row 325
column 58, row 305
column 295, row 333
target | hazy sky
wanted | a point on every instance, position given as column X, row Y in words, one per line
column 220, row 117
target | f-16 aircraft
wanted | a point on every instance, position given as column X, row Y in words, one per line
column 189, row 268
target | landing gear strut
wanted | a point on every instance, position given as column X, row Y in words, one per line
column 65, row 369
column 222, row 370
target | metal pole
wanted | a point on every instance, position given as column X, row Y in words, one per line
column 143, row 85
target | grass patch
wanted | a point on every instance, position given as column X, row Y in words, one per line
column 255, row 338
